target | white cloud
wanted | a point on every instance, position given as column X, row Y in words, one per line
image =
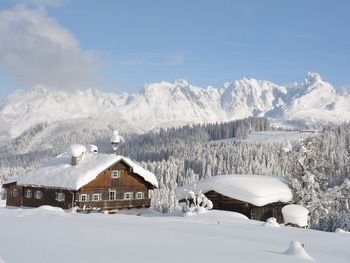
column 35, row 49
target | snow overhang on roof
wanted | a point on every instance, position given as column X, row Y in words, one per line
column 59, row 173
column 258, row 190
column 11, row 180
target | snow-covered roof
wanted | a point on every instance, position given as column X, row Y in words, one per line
column 10, row 180
column 258, row 190
column 60, row 173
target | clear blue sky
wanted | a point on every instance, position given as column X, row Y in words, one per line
column 205, row 42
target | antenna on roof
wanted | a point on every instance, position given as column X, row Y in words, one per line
column 115, row 140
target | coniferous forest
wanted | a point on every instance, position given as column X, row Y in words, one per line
column 317, row 167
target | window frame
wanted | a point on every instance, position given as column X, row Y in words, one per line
column 81, row 198
column 98, row 196
column 26, row 193
column 116, row 171
column 115, row 195
column 131, row 194
column 142, row 195
column 40, row 196
column 58, row 194
column 15, row 190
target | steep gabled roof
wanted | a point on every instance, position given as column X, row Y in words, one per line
column 60, row 173
column 258, row 190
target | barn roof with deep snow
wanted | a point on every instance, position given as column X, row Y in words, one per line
column 258, row 190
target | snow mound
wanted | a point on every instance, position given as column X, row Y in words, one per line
column 48, row 208
column 296, row 248
column 45, row 210
column 258, row 190
column 196, row 211
column 42, row 211
column 2, row 260
column 295, row 214
column 218, row 217
column 271, row 222
column 77, row 150
column 341, row 231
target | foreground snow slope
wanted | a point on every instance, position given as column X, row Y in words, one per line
column 51, row 235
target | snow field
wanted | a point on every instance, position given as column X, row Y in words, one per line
column 31, row 235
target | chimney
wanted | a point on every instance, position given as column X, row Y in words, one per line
column 76, row 152
column 115, row 140
column 76, row 159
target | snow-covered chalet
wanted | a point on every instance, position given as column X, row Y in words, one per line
column 84, row 179
column 258, row 197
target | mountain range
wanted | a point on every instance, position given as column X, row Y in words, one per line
column 166, row 104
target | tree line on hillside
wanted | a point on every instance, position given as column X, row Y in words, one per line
column 153, row 146
column 318, row 167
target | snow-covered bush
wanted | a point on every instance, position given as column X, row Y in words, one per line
column 197, row 202
column 272, row 222
column 341, row 231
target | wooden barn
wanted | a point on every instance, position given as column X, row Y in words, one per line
column 256, row 196
column 86, row 180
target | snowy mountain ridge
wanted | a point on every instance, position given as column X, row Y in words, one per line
column 167, row 104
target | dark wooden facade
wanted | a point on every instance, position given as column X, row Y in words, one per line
column 129, row 191
column 261, row 213
column 104, row 183
column 48, row 196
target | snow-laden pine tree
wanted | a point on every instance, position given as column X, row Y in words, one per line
column 185, row 154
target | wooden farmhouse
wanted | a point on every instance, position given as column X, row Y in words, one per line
column 256, row 196
column 86, row 180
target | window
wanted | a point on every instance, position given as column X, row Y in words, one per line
column 140, row 195
column 83, row 198
column 60, row 197
column 14, row 192
column 39, row 194
column 115, row 174
column 95, row 197
column 29, row 194
column 112, row 195
column 128, row 195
